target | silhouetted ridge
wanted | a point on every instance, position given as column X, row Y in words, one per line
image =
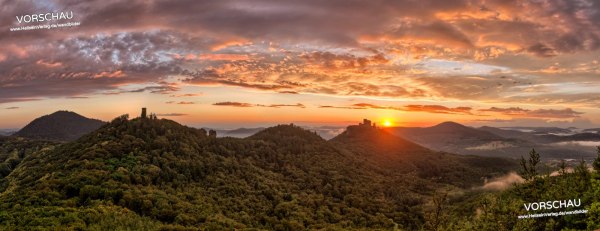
column 449, row 125
column 456, row 129
column 286, row 134
column 60, row 126
column 378, row 147
column 356, row 134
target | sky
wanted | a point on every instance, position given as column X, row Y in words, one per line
column 250, row 63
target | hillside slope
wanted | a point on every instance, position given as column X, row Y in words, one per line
column 156, row 174
column 59, row 126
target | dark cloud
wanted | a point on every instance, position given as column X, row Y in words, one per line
column 289, row 92
column 566, row 113
column 98, row 64
column 11, row 108
column 542, row 50
column 187, row 95
column 438, row 109
column 171, row 114
column 438, row 32
column 282, row 105
column 233, row 104
column 342, row 107
column 180, row 102
column 331, row 61
column 164, row 89
column 506, row 111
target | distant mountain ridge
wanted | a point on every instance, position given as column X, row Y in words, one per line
column 59, row 126
column 456, row 138
column 501, row 142
column 385, row 150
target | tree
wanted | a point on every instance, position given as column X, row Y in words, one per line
column 529, row 167
column 437, row 217
column 596, row 163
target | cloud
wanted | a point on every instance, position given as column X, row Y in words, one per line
column 438, row 109
column 282, row 105
column 503, row 182
column 180, row 102
column 48, row 64
column 11, row 108
column 233, row 104
column 304, row 47
column 224, row 57
column 566, row 113
column 331, row 61
column 542, row 50
column 238, row 104
column 156, row 89
column 553, row 113
column 172, row 114
column 341, row 107
column 506, row 111
column 289, row 92
column 187, row 95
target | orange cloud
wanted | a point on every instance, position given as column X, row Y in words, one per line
column 48, row 64
column 106, row 74
column 438, row 109
column 224, row 57
column 239, row 104
column 186, row 95
column 230, row 43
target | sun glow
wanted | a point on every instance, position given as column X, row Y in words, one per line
column 387, row 123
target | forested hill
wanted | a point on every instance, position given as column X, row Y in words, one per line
column 157, row 174
column 400, row 156
column 59, row 126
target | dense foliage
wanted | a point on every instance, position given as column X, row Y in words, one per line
column 14, row 149
column 156, row 174
column 500, row 210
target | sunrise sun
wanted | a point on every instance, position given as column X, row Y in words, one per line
column 387, row 123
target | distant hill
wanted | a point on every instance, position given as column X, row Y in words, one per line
column 152, row 174
column 457, row 138
column 59, row 126
column 399, row 155
column 596, row 130
column 496, row 142
column 447, row 130
column 544, row 136
column 238, row 132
